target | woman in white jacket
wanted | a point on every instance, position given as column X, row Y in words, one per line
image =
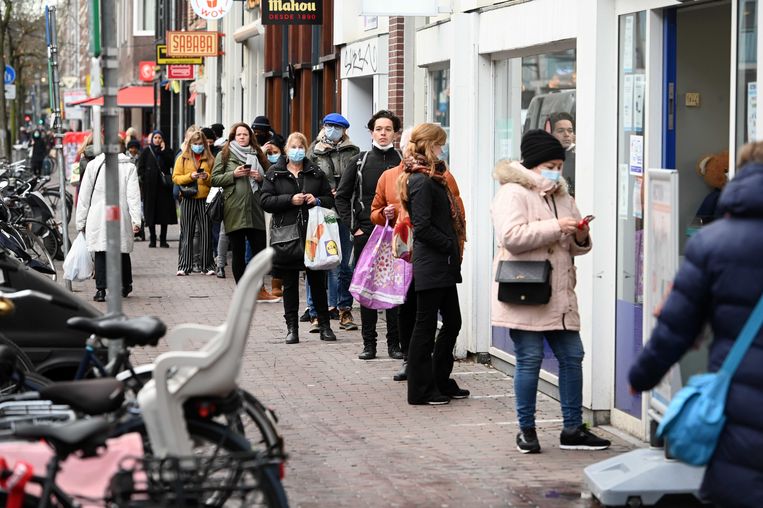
column 536, row 219
column 91, row 217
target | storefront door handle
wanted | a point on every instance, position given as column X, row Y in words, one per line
column 671, row 105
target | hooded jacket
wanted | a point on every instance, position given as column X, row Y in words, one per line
column 719, row 282
column 332, row 159
column 525, row 214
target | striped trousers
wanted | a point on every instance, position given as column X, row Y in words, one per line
column 193, row 212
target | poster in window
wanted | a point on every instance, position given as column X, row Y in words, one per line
column 628, row 44
column 639, row 89
column 752, row 110
column 628, row 102
column 636, row 161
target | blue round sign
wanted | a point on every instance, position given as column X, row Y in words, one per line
column 10, row 75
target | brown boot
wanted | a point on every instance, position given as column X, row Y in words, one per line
column 276, row 289
column 264, row 297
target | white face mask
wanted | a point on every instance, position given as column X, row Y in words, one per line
column 383, row 148
column 334, row 134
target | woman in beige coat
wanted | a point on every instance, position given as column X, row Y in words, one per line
column 535, row 219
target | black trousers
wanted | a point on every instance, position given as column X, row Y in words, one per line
column 370, row 317
column 237, row 241
column 290, row 286
column 406, row 318
column 100, row 270
column 430, row 363
column 162, row 233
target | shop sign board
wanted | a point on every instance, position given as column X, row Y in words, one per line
column 192, row 44
column 146, row 71
column 292, row 12
column 162, row 58
column 181, row 72
column 364, row 58
column 399, row 8
column 211, row 9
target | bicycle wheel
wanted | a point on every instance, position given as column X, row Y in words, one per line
column 49, row 236
column 35, row 248
column 23, row 364
column 54, row 197
column 210, row 439
column 258, row 424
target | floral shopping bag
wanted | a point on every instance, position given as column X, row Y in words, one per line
column 380, row 280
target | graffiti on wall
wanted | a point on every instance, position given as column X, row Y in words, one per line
column 360, row 59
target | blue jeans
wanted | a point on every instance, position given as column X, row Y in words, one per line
column 339, row 278
column 568, row 349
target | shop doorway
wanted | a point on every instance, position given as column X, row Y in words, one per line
column 360, row 101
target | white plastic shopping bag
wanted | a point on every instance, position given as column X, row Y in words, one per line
column 78, row 264
column 322, row 247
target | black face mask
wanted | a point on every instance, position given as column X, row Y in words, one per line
column 262, row 138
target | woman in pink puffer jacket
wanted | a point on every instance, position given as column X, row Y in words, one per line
column 535, row 219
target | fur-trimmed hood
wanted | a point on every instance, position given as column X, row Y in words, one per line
column 514, row 172
column 320, row 146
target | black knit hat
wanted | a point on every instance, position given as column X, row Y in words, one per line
column 261, row 122
column 538, row 146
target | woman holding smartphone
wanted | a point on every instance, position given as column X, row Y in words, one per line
column 192, row 171
column 239, row 169
column 536, row 219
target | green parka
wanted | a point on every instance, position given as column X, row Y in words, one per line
column 242, row 206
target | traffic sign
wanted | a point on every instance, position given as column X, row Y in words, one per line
column 10, row 92
column 163, row 59
column 10, row 75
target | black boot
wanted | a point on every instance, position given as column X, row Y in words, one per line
column 369, row 351
column 292, row 329
column 324, row 327
column 393, row 350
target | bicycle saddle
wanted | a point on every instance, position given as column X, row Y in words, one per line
column 139, row 331
column 85, row 435
column 89, row 396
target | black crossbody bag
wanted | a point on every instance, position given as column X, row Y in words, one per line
column 525, row 282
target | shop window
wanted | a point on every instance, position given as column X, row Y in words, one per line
column 144, row 20
column 440, row 101
column 747, row 70
column 530, row 92
column 630, row 224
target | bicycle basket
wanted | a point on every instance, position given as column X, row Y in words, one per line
column 236, row 479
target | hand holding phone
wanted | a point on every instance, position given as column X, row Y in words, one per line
column 248, row 167
column 585, row 221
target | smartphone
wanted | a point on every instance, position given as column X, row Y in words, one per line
column 248, row 167
column 585, row 221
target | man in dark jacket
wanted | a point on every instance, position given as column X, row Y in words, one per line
column 354, row 196
column 720, row 282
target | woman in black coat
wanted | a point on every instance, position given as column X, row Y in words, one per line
column 158, row 203
column 438, row 233
column 720, row 281
column 290, row 189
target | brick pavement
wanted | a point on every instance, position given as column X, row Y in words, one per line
column 352, row 438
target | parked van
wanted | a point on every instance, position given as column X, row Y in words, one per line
column 544, row 105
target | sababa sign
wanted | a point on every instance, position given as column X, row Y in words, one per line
column 292, row 12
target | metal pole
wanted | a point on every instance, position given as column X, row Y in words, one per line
column 111, row 149
column 57, row 127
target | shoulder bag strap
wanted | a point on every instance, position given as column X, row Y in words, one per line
column 744, row 340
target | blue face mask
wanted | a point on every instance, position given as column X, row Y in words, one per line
column 334, row 134
column 550, row 174
column 296, row 154
column 197, row 149
column 273, row 157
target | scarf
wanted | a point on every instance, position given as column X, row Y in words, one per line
column 240, row 152
column 418, row 164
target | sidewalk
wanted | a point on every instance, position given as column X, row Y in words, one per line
column 352, row 438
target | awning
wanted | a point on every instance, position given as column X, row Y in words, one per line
column 127, row 97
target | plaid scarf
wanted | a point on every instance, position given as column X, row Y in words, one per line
column 419, row 164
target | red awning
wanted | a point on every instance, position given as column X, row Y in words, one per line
column 127, row 97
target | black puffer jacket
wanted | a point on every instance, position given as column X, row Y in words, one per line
column 436, row 256
column 720, row 281
column 356, row 214
column 279, row 186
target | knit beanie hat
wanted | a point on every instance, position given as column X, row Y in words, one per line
column 538, row 146
column 261, row 122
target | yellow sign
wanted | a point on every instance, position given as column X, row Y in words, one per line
column 185, row 44
column 163, row 59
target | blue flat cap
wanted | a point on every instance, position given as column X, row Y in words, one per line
column 336, row 119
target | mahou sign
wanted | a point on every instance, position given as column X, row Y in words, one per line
column 292, row 12
column 211, row 9
column 187, row 44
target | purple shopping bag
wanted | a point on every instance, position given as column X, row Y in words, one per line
column 380, row 280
